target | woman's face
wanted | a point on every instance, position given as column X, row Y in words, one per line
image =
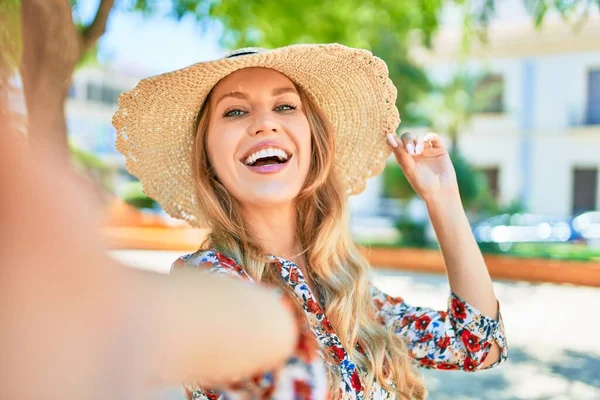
column 258, row 138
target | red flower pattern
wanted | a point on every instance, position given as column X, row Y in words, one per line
column 356, row 384
column 426, row 338
column 427, row 362
column 422, row 322
column 279, row 266
column 458, row 309
column 444, row 342
column 471, row 341
column 486, row 351
column 447, row 366
column 294, row 276
column 327, row 325
column 409, row 319
column 212, row 395
column 394, row 300
column 470, row 364
column 313, row 307
column 338, row 353
column 432, row 337
column 302, row 390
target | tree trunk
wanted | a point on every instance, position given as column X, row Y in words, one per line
column 52, row 46
column 10, row 57
column 453, row 133
column 50, row 52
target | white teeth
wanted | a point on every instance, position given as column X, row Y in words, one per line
column 264, row 153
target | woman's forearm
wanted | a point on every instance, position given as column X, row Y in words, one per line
column 213, row 329
column 467, row 272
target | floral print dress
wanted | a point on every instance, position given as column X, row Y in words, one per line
column 459, row 338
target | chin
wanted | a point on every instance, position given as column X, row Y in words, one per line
column 274, row 198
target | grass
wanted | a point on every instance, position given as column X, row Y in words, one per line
column 560, row 251
column 555, row 251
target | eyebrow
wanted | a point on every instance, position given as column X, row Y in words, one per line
column 244, row 96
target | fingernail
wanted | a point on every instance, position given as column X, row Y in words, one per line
column 392, row 140
column 410, row 148
column 419, row 148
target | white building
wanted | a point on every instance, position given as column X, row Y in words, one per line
column 541, row 141
column 543, row 145
column 91, row 103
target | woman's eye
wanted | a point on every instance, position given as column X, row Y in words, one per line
column 285, row 107
column 236, row 112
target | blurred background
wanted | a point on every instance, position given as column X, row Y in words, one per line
column 513, row 85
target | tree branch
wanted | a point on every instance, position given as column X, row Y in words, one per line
column 50, row 52
column 97, row 28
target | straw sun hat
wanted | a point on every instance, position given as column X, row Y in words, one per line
column 156, row 121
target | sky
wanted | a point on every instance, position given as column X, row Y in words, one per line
column 144, row 45
column 150, row 45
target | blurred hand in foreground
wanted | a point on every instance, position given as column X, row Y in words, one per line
column 76, row 325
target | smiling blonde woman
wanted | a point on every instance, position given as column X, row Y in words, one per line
column 264, row 147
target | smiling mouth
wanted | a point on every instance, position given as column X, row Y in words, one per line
column 268, row 165
column 269, row 161
column 266, row 156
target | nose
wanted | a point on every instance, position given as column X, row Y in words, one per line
column 263, row 123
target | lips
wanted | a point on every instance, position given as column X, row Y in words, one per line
column 270, row 168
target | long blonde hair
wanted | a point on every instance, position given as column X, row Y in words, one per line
column 334, row 263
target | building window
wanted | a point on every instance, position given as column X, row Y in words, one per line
column 593, row 100
column 92, row 92
column 585, row 187
column 109, row 95
column 489, row 94
column 102, row 93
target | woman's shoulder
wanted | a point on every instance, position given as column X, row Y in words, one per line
column 212, row 261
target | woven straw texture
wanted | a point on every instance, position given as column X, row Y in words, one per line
column 155, row 121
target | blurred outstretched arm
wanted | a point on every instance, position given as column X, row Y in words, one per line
column 76, row 325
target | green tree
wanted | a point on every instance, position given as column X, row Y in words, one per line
column 449, row 109
column 471, row 183
column 450, row 106
column 54, row 43
column 59, row 41
column 10, row 54
column 10, row 28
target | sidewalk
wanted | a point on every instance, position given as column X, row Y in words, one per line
column 552, row 333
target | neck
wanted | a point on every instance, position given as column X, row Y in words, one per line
column 275, row 229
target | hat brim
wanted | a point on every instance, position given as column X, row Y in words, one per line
column 156, row 120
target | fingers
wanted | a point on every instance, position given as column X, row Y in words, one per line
column 409, row 141
column 415, row 145
column 433, row 140
column 400, row 151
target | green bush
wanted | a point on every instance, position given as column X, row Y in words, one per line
column 133, row 194
column 472, row 184
column 412, row 233
column 394, row 183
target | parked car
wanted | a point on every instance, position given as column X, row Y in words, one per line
column 586, row 226
column 519, row 228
